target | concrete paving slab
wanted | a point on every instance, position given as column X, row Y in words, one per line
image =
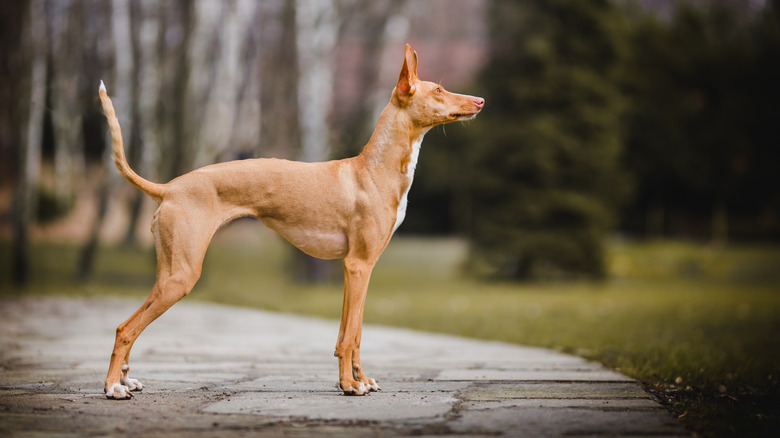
column 564, row 375
column 330, row 405
column 610, row 404
column 557, row 390
column 214, row 370
column 549, row 421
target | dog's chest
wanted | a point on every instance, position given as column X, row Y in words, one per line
column 401, row 212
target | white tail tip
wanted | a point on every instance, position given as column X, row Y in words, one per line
column 102, row 86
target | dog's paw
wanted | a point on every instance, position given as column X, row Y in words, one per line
column 372, row 386
column 117, row 391
column 352, row 387
column 131, row 384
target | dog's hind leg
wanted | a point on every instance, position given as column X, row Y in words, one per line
column 181, row 245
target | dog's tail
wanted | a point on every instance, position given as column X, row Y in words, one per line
column 154, row 190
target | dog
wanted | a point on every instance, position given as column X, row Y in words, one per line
column 346, row 209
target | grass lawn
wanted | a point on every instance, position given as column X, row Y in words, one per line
column 698, row 325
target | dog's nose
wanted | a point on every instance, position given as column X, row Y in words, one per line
column 480, row 102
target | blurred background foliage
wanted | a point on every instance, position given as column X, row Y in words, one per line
column 607, row 118
column 651, row 118
column 547, row 178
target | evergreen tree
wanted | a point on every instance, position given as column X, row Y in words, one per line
column 701, row 130
column 546, row 179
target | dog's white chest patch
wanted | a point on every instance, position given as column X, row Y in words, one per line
column 400, row 214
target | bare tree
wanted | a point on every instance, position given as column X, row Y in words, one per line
column 388, row 27
column 178, row 160
column 146, row 86
column 123, row 61
column 279, row 128
column 317, row 26
column 221, row 100
column 30, row 147
column 246, row 130
column 208, row 20
column 66, row 58
column 13, row 69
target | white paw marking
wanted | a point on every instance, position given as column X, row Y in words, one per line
column 131, row 384
column 360, row 390
column 372, row 385
column 118, row 391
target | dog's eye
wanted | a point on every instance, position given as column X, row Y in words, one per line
column 437, row 90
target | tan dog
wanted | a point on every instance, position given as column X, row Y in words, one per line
column 337, row 209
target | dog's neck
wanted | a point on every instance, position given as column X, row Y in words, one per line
column 392, row 152
column 395, row 142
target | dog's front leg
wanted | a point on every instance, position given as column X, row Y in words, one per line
column 356, row 276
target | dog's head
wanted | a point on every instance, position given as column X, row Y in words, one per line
column 427, row 103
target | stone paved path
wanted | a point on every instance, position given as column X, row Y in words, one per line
column 215, row 370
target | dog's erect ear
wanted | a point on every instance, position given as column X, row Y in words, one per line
column 410, row 59
column 407, row 81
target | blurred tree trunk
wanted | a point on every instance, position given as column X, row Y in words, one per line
column 389, row 27
column 66, row 42
column 30, row 146
column 245, row 130
column 146, row 32
column 317, row 29
column 123, row 60
column 279, row 128
column 222, row 95
column 13, row 68
column 209, row 20
column 123, row 89
column 178, row 160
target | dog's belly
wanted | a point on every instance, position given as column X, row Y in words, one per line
column 320, row 243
